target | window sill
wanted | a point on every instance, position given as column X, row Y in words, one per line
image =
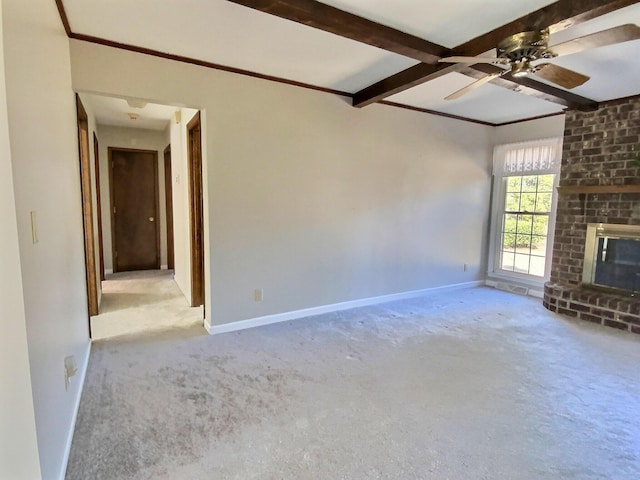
column 524, row 280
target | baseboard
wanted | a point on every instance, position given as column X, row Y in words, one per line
column 532, row 291
column 308, row 312
column 108, row 271
column 164, row 267
column 207, row 326
column 82, row 377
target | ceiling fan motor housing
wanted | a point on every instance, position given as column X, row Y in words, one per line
column 523, row 48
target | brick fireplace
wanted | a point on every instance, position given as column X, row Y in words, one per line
column 599, row 183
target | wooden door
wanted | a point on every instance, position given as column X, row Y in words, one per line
column 196, row 218
column 168, row 191
column 134, row 207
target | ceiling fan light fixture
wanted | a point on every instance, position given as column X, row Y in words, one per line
column 520, row 69
column 133, row 103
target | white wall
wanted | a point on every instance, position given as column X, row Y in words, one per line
column 110, row 136
column 44, row 153
column 18, row 443
column 310, row 199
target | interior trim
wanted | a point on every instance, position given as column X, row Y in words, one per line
column 64, row 18
column 433, row 112
column 335, row 307
column 201, row 63
column 538, row 117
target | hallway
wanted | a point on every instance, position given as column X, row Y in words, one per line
column 142, row 302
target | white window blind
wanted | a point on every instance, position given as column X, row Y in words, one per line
column 528, row 158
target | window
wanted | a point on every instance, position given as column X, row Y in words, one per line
column 524, row 203
column 525, row 224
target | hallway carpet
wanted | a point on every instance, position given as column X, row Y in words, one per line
column 139, row 302
column 473, row 384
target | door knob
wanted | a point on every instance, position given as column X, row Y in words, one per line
column 151, row 219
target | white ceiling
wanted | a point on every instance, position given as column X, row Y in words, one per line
column 224, row 33
column 116, row 112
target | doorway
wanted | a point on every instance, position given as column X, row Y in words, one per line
column 167, row 152
column 134, row 209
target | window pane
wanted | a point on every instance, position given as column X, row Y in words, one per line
column 525, row 224
column 543, row 202
column 530, row 183
column 538, row 245
column 537, row 266
column 510, row 223
column 509, row 241
column 528, row 202
column 545, row 183
column 512, row 202
column 521, row 263
column 507, row 261
column 540, row 225
column 523, row 243
column 513, row 184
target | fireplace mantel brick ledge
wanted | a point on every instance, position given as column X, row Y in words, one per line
column 611, row 310
column 599, row 150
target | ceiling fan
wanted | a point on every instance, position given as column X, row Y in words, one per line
column 519, row 52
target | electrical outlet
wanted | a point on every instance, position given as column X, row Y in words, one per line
column 70, row 370
column 258, row 295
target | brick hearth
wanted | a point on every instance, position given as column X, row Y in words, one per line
column 599, row 150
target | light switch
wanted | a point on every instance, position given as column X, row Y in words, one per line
column 34, row 227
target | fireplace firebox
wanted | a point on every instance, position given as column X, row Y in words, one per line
column 612, row 258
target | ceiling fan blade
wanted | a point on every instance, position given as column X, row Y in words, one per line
column 560, row 76
column 473, row 86
column 472, row 60
column 611, row 36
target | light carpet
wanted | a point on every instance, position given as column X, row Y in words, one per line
column 142, row 302
column 474, row 384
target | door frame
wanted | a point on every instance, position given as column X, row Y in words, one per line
column 96, row 157
column 196, row 204
column 168, row 196
column 87, row 209
column 110, row 151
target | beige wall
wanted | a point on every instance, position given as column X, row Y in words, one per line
column 44, row 158
column 310, row 199
column 18, row 443
column 110, row 136
column 550, row 127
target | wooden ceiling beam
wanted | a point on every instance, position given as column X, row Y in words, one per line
column 557, row 16
column 411, row 77
column 330, row 19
